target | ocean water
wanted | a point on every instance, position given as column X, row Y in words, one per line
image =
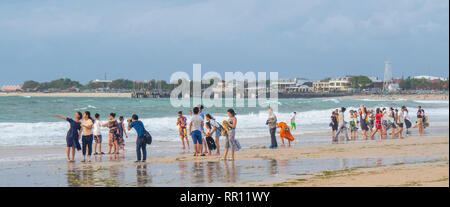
column 28, row 121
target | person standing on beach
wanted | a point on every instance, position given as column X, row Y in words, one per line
column 353, row 124
column 272, row 123
column 87, row 135
column 202, row 114
column 195, row 131
column 73, row 135
column 334, row 124
column 363, row 120
column 216, row 129
column 293, row 125
column 209, row 140
column 141, row 143
column 406, row 119
column 113, row 126
column 182, row 124
column 231, row 141
column 371, row 121
column 342, row 125
column 121, row 141
column 399, row 124
column 420, row 120
column 391, row 121
column 378, row 124
column 384, row 121
column 97, row 135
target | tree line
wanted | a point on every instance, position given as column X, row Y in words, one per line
column 66, row 84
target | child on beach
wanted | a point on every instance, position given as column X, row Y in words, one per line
column 216, row 129
column 195, row 131
column 285, row 133
column 231, row 141
column 121, row 141
column 113, row 126
column 333, row 123
column 73, row 135
column 97, row 135
column 293, row 125
column 181, row 123
column 209, row 140
column 87, row 135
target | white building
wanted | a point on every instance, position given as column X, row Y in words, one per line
column 429, row 77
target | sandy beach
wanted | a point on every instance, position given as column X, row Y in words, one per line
column 414, row 161
column 38, row 159
column 432, row 174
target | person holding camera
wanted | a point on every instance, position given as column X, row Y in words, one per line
column 272, row 123
column 141, row 143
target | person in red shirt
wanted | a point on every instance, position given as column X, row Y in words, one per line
column 378, row 126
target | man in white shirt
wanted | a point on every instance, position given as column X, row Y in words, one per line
column 342, row 125
column 195, row 131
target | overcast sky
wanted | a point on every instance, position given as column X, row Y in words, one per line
column 142, row 40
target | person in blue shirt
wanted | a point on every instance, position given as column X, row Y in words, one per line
column 141, row 143
column 73, row 135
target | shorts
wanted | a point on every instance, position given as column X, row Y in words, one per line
column 182, row 132
column 98, row 138
column 334, row 127
column 400, row 125
column 197, row 137
column 293, row 125
column 218, row 132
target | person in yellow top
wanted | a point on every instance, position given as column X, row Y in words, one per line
column 285, row 133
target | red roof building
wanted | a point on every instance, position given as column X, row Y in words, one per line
column 11, row 88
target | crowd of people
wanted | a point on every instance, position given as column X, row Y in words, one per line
column 381, row 121
column 205, row 131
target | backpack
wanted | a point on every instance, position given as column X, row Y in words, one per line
column 147, row 136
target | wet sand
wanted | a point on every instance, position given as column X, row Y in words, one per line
column 415, row 161
column 434, row 174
